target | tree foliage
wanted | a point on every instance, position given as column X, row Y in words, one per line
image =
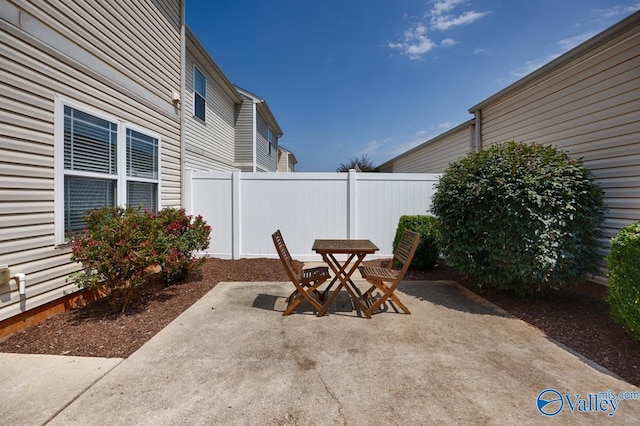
column 362, row 163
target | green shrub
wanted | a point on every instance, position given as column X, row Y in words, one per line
column 120, row 247
column 623, row 293
column 520, row 217
column 427, row 253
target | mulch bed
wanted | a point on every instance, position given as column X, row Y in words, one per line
column 581, row 323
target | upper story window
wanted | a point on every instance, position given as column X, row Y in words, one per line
column 100, row 162
column 199, row 94
column 270, row 139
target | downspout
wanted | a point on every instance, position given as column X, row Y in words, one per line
column 255, row 133
column 472, row 135
column 478, row 138
column 183, row 94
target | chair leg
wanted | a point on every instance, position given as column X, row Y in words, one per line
column 301, row 294
column 397, row 301
column 387, row 293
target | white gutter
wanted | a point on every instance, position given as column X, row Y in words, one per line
column 255, row 133
column 183, row 94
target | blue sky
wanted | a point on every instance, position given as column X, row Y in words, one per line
column 351, row 77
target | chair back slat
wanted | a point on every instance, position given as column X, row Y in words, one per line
column 406, row 249
column 306, row 281
column 285, row 256
column 385, row 280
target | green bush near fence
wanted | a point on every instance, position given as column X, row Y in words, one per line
column 623, row 293
column 521, row 217
column 427, row 253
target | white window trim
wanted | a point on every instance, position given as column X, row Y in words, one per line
column 121, row 177
column 196, row 69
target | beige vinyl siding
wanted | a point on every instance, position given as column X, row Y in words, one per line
column 589, row 107
column 286, row 161
column 434, row 155
column 119, row 31
column 33, row 71
column 244, row 136
column 209, row 145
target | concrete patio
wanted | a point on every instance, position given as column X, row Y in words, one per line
column 232, row 358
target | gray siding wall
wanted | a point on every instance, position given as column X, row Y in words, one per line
column 432, row 156
column 244, row 135
column 266, row 161
column 589, row 107
column 209, row 146
column 120, row 58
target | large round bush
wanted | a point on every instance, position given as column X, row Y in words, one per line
column 623, row 293
column 521, row 217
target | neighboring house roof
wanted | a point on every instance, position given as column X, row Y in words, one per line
column 604, row 37
column 422, row 145
column 214, row 71
column 264, row 109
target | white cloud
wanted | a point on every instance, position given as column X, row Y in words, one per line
column 531, row 66
column 448, row 42
column 446, row 126
column 372, row 147
column 444, row 22
column 441, row 7
column 571, row 42
column 416, row 41
column 565, row 45
column 616, row 11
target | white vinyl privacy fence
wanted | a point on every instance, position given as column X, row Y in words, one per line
column 244, row 209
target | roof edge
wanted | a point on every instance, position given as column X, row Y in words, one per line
column 264, row 108
column 219, row 76
column 624, row 25
column 430, row 141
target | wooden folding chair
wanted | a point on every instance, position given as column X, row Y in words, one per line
column 306, row 281
column 386, row 280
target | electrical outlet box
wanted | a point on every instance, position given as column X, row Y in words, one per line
column 5, row 274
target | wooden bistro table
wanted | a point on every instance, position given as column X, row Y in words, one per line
column 354, row 249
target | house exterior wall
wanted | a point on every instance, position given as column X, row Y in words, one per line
column 119, row 58
column 434, row 155
column 254, row 119
column 245, row 135
column 209, row 145
column 266, row 157
column 588, row 106
column 286, row 161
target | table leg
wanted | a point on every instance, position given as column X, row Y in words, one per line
column 345, row 281
column 353, row 289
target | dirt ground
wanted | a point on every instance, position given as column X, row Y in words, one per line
column 579, row 322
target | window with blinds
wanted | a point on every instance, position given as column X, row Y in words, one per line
column 97, row 164
column 90, row 143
